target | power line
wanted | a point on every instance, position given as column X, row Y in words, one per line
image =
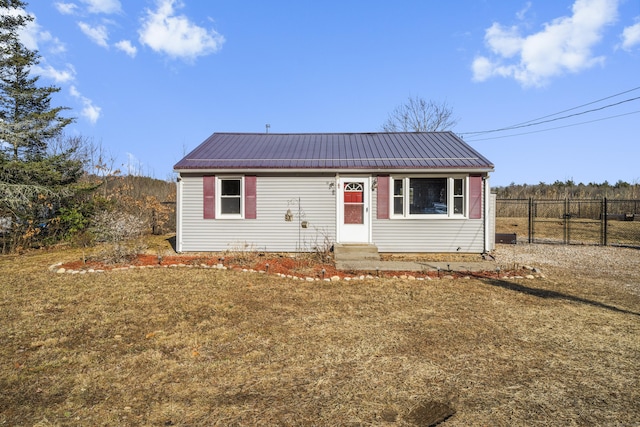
column 554, row 128
column 579, row 106
column 540, row 120
column 558, row 118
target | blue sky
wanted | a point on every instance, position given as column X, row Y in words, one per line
column 151, row 79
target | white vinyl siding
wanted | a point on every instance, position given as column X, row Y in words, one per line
column 278, row 196
column 310, row 199
column 406, row 235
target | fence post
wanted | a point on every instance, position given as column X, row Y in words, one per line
column 606, row 221
column 530, row 212
column 566, row 221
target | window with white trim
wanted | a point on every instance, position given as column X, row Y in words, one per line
column 230, row 197
column 441, row 197
column 458, row 196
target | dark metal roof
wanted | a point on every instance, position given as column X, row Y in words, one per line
column 340, row 151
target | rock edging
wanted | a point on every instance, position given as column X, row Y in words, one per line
column 58, row 268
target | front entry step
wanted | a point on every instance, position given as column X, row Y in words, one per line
column 355, row 252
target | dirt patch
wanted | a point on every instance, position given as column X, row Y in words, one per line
column 272, row 264
column 431, row 413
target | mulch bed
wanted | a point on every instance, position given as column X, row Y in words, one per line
column 284, row 265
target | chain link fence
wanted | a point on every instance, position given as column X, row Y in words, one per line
column 570, row 221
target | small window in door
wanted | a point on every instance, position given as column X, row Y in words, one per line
column 353, row 203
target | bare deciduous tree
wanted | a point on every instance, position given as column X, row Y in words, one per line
column 75, row 147
column 420, row 115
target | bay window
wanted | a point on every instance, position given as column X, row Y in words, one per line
column 433, row 196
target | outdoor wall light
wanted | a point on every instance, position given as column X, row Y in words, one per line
column 332, row 187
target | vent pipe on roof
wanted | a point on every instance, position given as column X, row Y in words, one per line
column 267, row 126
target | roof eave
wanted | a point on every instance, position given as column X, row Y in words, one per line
column 249, row 171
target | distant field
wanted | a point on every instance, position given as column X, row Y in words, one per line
column 207, row 347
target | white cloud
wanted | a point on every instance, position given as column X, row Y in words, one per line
column 98, row 35
column 175, row 35
column 127, row 47
column 631, row 37
column 523, row 12
column 103, row 6
column 32, row 34
column 482, row 69
column 89, row 111
column 505, row 42
column 563, row 45
column 54, row 45
column 59, row 76
column 33, row 37
column 66, row 8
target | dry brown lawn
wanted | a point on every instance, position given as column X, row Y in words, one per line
column 196, row 347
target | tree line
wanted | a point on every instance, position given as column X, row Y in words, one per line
column 569, row 189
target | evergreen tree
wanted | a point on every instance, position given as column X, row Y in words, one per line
column 34, row 184
column 27, row 120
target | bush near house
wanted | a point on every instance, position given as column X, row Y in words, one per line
column 93, row 213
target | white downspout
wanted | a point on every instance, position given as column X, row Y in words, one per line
column 179, row 214
column 485, row 216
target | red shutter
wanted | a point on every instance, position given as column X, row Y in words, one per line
column 250, row 197
column 383, row 197
column 475, row 197
column 209, row 196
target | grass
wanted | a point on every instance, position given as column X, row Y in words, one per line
column 206, row 347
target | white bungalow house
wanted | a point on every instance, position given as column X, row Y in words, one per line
column 402, row 192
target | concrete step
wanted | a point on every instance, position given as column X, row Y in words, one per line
column 355, row 252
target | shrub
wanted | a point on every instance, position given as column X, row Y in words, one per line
column 116, row 228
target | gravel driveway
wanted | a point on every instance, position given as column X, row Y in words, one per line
column 620, row 265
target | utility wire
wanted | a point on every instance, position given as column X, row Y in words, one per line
column 579, row 106
column 556, row 119
column 540, row 120
column 554, row 128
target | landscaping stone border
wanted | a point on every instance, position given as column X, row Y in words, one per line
column 535, row 273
